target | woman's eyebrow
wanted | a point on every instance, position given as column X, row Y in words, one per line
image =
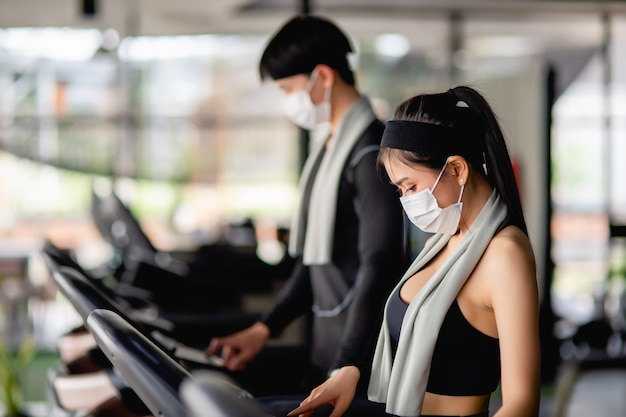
column 399, row 182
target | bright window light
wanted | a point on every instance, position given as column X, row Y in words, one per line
column 64, row 44
column 147, row 48
column 392, row 45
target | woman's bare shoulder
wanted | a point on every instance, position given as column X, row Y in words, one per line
column 510, row 241
column 508, row 259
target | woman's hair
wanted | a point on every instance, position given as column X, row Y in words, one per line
column 303, row 43
column 479, row 140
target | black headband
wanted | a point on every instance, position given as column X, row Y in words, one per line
column 423, row 138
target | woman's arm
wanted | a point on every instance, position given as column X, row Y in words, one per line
column 512, row 288
column 338, row 390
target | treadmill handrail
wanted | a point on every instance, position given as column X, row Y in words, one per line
column 151, row 373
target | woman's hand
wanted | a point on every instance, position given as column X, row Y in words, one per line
column 238, row 349
column 338, row 390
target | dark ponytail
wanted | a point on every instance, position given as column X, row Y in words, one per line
column 496, row 155
column 475, row 134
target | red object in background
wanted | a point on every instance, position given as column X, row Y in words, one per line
column 517, row 174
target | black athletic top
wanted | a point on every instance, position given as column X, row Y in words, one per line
column 465, row 361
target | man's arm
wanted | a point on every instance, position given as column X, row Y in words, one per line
column 294, row 299
column 382, row 260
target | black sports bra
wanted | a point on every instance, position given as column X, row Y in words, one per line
column 465, row 361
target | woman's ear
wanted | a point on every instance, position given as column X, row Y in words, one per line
column 460, row 169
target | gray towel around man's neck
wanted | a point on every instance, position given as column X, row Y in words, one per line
column 401, row 382
column 315, row 244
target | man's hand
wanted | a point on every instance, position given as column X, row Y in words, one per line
column 238, row 349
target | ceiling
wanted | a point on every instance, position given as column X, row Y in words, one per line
column 565, row 31
column 165, row 17
column 536, row 25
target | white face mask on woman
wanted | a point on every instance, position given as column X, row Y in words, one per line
column 424, row 212
column 300, row 109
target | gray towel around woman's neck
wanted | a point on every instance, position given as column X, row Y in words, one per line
column 401, row 382
column 315, row 244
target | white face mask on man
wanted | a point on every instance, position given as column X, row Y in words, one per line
column 424, row 211
column 300, row 109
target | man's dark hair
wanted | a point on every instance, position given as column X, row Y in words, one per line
column 303, row 43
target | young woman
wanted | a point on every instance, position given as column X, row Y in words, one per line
column 464, row 318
